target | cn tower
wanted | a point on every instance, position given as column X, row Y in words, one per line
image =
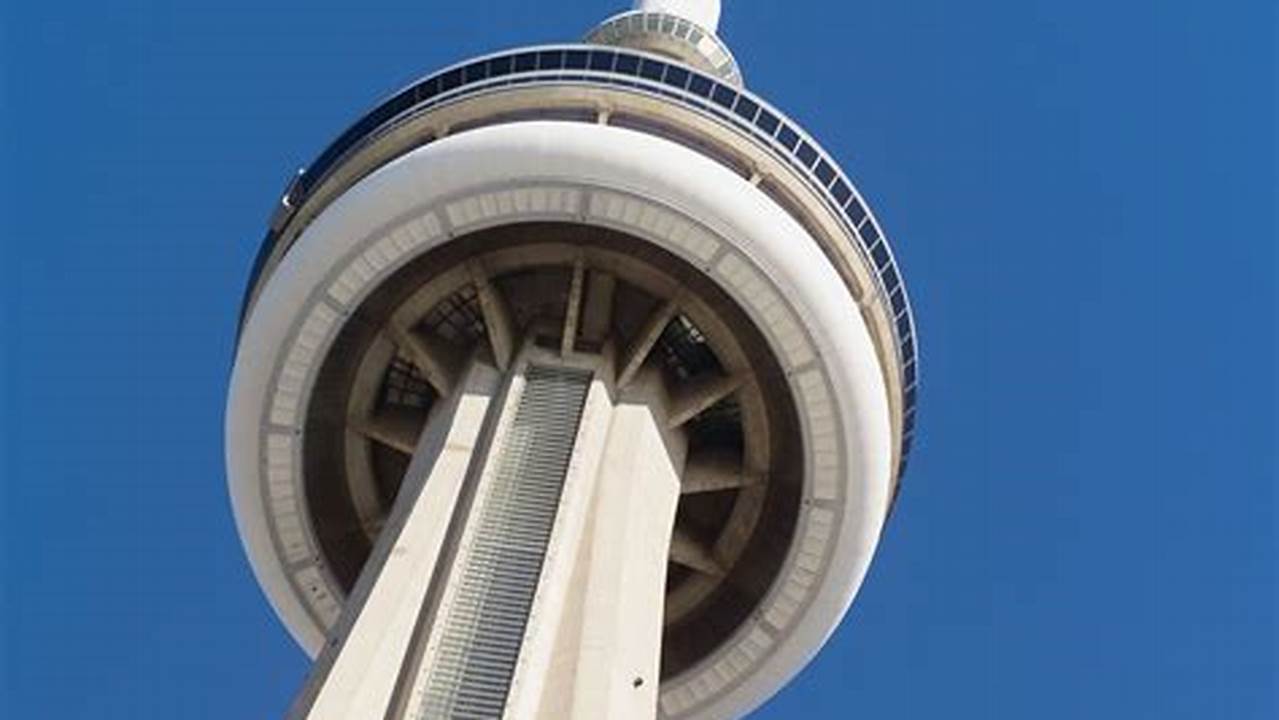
column 573, row 381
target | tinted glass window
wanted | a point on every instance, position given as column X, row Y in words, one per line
column 880, row 253
column 767, row 122
column 806, row 154
column 475, row 71
column 676, row 76
column 525, row 62
column 856, row 212
column 841, row 191
column 898, row 301
column 428, row 88
column 891, row 281
column 550, row 60
column 575, row 59
column 602, row 60
column 825, row 172
column 700, row 85
column 724, row 96
column 652, row 69
column 746, row 108
column 870, row 233
column 500, row 66
column 787, row 137
column 451, row 79
column 627, row 64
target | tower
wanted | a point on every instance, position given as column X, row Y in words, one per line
column 572, row 381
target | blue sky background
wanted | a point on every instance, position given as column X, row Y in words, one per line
column 1083, row 195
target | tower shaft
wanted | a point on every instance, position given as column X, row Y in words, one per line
column 522, row 571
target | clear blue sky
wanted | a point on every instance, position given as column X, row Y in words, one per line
column 1083, row 195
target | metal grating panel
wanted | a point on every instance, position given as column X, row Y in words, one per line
column 498, row 574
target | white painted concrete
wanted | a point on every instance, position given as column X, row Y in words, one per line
column 704, row 213
column 355, row 678
column 703, row 12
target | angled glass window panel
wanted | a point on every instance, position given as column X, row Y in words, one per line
column 856, row 213
column 627, row 64
column 903, row 324
column 401, row 102
column 841, row 191
column 451, row 79
column 898, row 301
column 475, row 71
column 806, row 154
column 767, row 122
column 695, row 36
column 550, row 60
column 575, row 59
column 908, row 375
column 870, row 233
column 724, row 96
column 652, row 69
column 908, row 397
column 602, row 59
column 429, row 89
column 700, row 85
column 891, row 281
column 676, row 76
column 825, row 173
column 908, row 422
column 746, row 108
column 907, row 442
column 908, row 349
column 668, row 24
column 787, row 137
column 525, row 62
column 880, row 253
column 499, row 66
column 682, row 29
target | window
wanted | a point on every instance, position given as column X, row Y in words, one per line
column 787, row 137
column 724, row 96
column 767, row 122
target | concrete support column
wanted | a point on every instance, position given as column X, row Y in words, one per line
column 602, row 654
column 355, row 676
column 619, row 654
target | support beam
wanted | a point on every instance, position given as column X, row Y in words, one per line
column 396, row 430
column 690, row 552
column 355, row 676
column 645, row 339
column 597, row 651
column 497, row 318
column 574, row 310
column 598, row 312
column 698, row 394
column 713, row 472
column 432, row 357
